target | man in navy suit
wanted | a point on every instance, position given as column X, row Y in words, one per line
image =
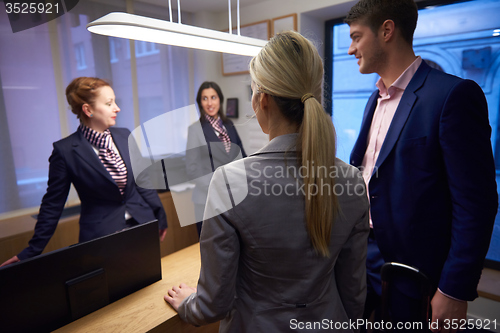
column 425, row 152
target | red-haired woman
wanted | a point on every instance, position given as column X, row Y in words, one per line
column 96, row 160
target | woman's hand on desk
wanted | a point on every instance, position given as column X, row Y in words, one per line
column 163, row 233
column 10, row 261
column 176, row 295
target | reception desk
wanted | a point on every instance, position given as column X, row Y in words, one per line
column 16, row 232
column 146, row 310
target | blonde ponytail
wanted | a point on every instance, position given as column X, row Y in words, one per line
column 290, row 70
column 317, row 137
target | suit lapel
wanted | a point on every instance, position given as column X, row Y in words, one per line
column 121, row 144
column 402, row 113
column 211, row 137
column 358, row 152
column 231, row 132
column 84, row 150
column 209, row 132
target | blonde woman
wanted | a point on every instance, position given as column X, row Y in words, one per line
column 291, row 254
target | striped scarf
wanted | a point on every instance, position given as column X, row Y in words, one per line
column 111, row 160
column 223, row 136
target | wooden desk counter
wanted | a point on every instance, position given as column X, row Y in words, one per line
column 16, row 232
column 145, row 310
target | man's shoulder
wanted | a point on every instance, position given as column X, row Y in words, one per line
column 437, row 74
column 443, row 83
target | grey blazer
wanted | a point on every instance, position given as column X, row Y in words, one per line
column 259, row 271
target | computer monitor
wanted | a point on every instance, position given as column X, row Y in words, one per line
column 46, row 292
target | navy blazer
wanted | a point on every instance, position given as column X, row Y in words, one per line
column 210, row 135
column 103, row 207
column 433, row 192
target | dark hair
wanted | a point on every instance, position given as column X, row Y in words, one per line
column 373, row 13
column 215, row 86
column 82, row 90
column 291, row 108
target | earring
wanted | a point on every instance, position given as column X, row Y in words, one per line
column 91, row 115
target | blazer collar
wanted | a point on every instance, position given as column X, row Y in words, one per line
column 210, row 136
column 83, row 148
column 121, row 143
column 360, row 145
column 282, row 143
column 209, row 132
column 402, row 112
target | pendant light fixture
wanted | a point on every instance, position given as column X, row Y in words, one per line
column 147, row 29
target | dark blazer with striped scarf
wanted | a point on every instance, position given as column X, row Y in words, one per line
column 209, row 155
column 73, row 161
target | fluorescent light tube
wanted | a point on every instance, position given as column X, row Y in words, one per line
column 147, row 29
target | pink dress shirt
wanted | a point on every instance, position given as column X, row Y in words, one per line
column 387, row 104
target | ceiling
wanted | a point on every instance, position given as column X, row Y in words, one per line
column 203, row 5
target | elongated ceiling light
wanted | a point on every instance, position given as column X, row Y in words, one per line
column 147, row 29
